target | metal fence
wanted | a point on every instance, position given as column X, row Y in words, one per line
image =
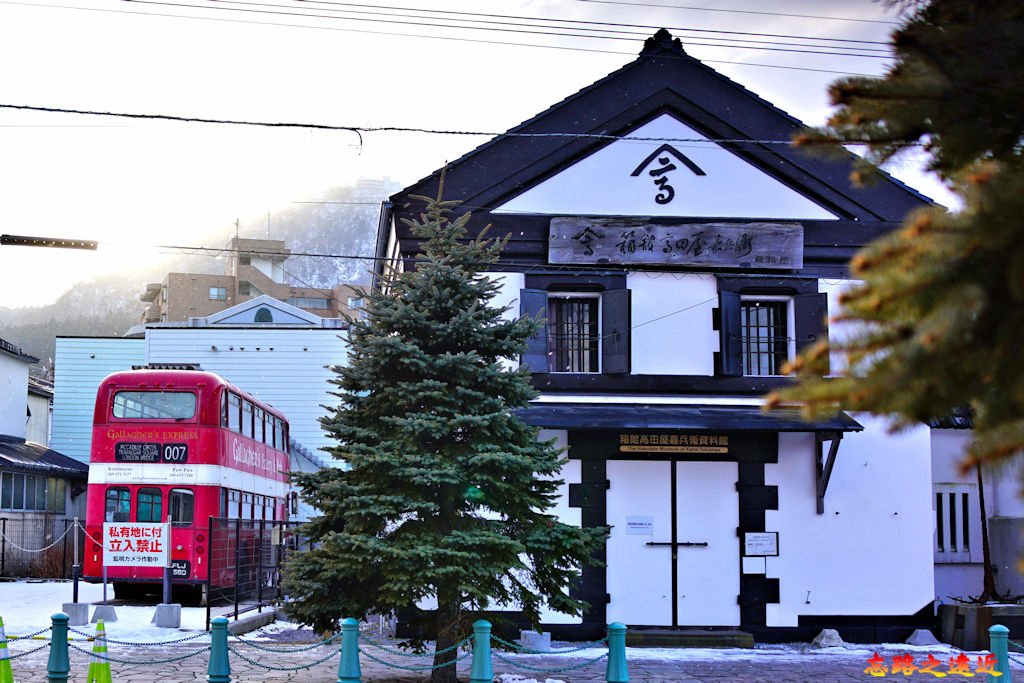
column 245, row 561
column 38, row 546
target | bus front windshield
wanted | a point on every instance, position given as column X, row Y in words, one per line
column 155, row 405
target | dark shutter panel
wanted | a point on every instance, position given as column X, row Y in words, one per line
column 730, row 331
column 534, row 303
column 810, row 320
column 615, row 332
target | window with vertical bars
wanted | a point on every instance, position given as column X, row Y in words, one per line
column 574, row 338
column 764, row 330
column 955, row 510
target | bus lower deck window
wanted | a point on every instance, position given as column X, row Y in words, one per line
column 182, row 506
column 118, row 508
column 149, row 505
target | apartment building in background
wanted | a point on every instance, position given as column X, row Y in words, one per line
column 255, row 267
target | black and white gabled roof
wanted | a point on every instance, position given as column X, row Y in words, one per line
column 663, row 79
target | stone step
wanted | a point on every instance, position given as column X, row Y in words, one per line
column 687, row 637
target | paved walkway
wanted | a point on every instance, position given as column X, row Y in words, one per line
column 723, row 666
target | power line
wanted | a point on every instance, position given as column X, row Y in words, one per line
column 498, row 19
column 674, row 29
column 359, row 130
column 740, row 11
column 478, row 41
column 276, row 12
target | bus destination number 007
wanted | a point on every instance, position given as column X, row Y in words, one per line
column 175, row 452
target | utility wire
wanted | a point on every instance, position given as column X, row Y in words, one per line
column 674, row 29
column 276, row 12
column 359, row 130
column 478, row 41
column 496, row 19
column 740, row 11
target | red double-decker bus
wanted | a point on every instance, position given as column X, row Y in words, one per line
column 185, row 444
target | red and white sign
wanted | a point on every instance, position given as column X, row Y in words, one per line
column 134, row 544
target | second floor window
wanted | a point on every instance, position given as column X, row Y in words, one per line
column 760, row 331
column 584, row 332
column 218, row 293
column 765, row 337
column 574, row 333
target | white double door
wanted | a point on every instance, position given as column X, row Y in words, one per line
column 673, row 553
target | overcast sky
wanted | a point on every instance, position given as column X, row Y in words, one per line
column 132, row 184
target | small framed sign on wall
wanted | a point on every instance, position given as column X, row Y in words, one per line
column 761, row 544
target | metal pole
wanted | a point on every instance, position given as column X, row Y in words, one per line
column 76, row 569
column 64, row 552
column 167, row 564
column 105, row 583
column 209, row 571
column 259, row 566
column 238, row 559
column 3, row 546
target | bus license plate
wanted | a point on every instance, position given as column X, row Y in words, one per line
column 181, row 569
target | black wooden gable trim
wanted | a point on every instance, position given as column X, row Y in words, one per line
column 663, row 78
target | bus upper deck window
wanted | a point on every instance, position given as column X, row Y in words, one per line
column 155, row 405
column 234, row 413
column 149, row 506
column 118, row 508
column 247, row 418
column 182, row 506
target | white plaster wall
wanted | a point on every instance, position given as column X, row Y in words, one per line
column 13, row 395
column 570, row 474
column 837, row 331
column 958, row 581
column 1003, row 494
column 81, row 363
column 509, row 285
column 871, row 552
column 603, row 184
column 38, row 429
column 666, row 339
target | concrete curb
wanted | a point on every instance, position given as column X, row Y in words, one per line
column 251, row 622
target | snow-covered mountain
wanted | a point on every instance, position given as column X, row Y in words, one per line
column 339, row 224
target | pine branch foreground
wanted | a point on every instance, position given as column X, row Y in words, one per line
column 936, row 324
column 443, row 494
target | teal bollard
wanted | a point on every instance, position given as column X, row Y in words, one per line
column 219, row 670
column 999, row 645
column 481, row 671
column 58, row 666
column 348, row 666
column 618, row 671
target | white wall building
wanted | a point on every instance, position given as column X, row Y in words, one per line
column 679, row 263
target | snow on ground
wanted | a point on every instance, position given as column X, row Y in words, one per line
column 26, row 607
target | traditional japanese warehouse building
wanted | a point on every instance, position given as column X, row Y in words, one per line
column 680, row 260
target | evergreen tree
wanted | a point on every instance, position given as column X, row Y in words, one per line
column 444, row 493
column 938, row 318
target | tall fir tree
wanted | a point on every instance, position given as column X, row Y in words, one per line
column 444, row 494
column 937, row 320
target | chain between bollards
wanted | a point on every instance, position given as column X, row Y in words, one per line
column 999, row 645
column 219, row 670
column 58, row 666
